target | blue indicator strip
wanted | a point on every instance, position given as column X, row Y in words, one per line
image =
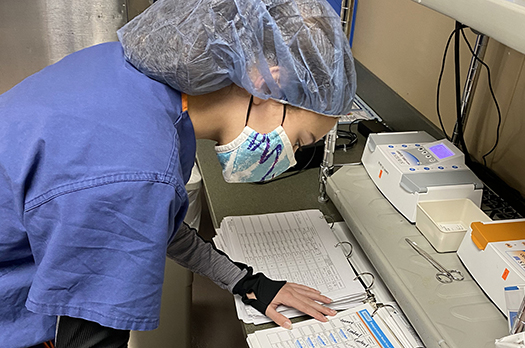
column 375, row 329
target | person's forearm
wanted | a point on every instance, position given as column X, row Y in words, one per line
column 189, row 250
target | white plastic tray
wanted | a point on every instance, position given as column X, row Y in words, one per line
column 444, row 223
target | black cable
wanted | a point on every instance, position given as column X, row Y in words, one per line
column 457, row 76
column 439, row 83
column 348, row 135
column 459, row 120
column 492, row 94
column 351, row 137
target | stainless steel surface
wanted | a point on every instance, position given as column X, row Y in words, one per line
column 37, row 33
column 470, row 84
column 444, row 275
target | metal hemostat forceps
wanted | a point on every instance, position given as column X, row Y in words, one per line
column 443, row 275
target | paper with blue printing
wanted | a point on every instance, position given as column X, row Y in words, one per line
column 255, row 157
column 350, row 328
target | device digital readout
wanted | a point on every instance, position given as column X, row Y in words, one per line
column 441, row 151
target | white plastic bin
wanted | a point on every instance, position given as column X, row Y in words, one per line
column 444, row 223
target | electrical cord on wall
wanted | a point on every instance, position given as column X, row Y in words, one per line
column 456, row 31
column 457, row 78
column 439, row 83
column 491, row 93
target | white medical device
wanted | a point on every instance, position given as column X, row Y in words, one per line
column 494, row 254
column 411, row 167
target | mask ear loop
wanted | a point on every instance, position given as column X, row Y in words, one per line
column 250, row 108
column 284, row 114
column 248, row 112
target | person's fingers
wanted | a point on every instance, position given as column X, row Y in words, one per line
column 311, row 306
column 290, row 297
column 310, row 292
column 302, row 298
column 278, row 318
column 304, row 287
column 314, row 296
column 310, row 309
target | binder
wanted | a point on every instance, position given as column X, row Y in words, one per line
column 373, row 297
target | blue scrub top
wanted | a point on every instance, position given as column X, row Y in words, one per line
column 94, row 156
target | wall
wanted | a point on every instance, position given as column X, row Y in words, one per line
column 402, row 43
column 37, row 33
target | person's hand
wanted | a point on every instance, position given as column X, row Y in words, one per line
column 300, row 297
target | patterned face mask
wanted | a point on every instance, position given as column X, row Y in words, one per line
column 254, row 157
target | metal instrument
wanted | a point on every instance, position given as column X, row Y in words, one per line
column 443, row 275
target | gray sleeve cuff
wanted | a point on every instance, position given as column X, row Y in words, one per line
column 189, row 250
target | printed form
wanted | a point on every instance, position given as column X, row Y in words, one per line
column 354, row 328
column 297, row 247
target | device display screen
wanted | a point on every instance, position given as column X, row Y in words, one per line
column 441, row 151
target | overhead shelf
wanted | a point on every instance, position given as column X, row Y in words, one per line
column 502, row 20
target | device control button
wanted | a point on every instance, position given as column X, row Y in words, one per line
column 428, row 156
column 417, row 145
column 432, row 160
column 455, row 167
column 391, row 146
column 426, row 168
column 412, row 169
column 404, row 145
column 424, row 152
column 420, row 148
column 440, row 167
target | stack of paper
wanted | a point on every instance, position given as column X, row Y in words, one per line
column 350, row 328
column 298, row 247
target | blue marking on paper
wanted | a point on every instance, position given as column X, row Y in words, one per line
column 298, row 344
column 375, row 329
column 310, row 343
column 512, row 317
column 343, row 334
column 333, row 338
column 321, row 340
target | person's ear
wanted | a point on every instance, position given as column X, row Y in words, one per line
column 260, row 83
column 258, row 101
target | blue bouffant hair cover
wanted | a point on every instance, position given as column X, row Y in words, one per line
column 293, row 51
